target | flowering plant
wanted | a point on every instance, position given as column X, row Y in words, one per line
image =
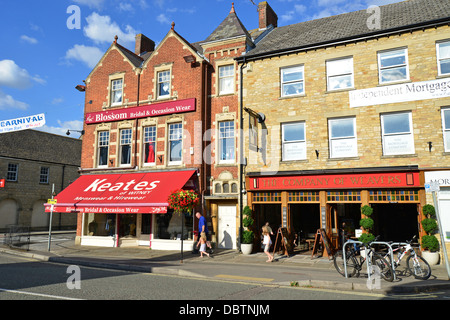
column 183, row 200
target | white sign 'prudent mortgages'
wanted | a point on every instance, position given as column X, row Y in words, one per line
column 400, row 93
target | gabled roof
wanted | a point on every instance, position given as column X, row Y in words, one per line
column 351, row 26
column 231, row 27
column 40, row 146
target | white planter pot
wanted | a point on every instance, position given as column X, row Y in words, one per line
column 246, row 248
column 431, row 257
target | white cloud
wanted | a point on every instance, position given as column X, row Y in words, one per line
column 63, row 127
column 101, row 29
column 8, row 102
column 13, row 76
column 162, row 18
column 88, row 55
column 28, row 39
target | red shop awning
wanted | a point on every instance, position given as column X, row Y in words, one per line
column 121, row 193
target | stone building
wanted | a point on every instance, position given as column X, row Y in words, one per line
column 31, row 162
column 347, row 111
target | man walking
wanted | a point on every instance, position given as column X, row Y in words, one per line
column 203, row 229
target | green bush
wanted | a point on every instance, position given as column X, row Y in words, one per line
column 367, row 210
column 366, row 238
column 366, row 223
column 429, row 211
column 429, row 225
column 430, row 243
column 247, row 221
column 247, row 236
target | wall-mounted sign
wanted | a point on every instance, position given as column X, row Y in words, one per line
column 336, row 181
column 30, row 122
column 151, row 110
column 400, row 93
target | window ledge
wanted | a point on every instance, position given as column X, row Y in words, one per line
column 343, row 159
column 414, row 155
column 300, row 95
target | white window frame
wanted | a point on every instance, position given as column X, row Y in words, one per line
column 115, row 87
column 381, row 69
column 13, row 172
column 300, row 80
column 226, row 132
column 343, row 145
column 44, row 175
column 163, row 77
column 103, row 142
column 441, row 59
column 293, row 149
column 126, row 138
column 446, row 128
column 150, row 138
column 400, row 142
column 226, row 73
column 174, row 134
column 339, row 69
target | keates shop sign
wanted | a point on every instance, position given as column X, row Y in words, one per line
column 151, row 110
column 341, row 181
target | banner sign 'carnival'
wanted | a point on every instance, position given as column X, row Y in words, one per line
column 151, row 110
column 30, row 122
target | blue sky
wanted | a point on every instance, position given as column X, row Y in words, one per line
column 42, row 59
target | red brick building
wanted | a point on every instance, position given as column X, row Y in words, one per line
column 159, row 119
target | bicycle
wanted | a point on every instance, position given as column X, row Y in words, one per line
column 354, row 265
column 417, row 265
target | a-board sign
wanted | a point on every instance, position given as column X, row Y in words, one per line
column 284, row 238
column 321, row 237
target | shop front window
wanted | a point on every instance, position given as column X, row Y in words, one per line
column 101, row 225
column 169, row 225
column 127, row 225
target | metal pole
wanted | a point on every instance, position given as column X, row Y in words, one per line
column 182, row 233
column 441, row 234
column 50, row 223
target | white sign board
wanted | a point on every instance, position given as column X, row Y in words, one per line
column 400, row 93
column 24, row 123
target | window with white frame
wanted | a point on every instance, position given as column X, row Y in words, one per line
column 226, row 79
column 103, row 148
column 43, row 176
column 292, row 81
column 293, row 141
column 13, row 172
column 163, row 84
column 398, row 138
column 342, row 135
column 125, row 146
column 443, row 57
column 393, row 65
column 150, row 145
column 340, row 74
column 116, row 92
column 175, row 143
column 445, row 113
column 226, row 142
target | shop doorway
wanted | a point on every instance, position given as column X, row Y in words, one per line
column 227, row 227
column 305, row 220
column 395, row 221
column 267, row 213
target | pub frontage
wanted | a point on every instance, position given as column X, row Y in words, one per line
column 305, row 201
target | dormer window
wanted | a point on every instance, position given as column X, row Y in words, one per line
column 116, row 92
column 163, row 84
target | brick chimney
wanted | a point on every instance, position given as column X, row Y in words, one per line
column 267, row 16
column 143, row 44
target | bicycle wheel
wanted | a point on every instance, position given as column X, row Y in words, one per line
column 419, row 267
column 338, row 260
column 384, row 267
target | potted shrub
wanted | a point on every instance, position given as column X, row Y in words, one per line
column 247, row 235
column 367, row 225
column 430, row 244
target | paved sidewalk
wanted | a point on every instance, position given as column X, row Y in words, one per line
column 298, row 269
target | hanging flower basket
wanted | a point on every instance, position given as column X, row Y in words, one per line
column 183, row 201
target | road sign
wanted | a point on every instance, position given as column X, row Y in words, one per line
column 52, row 201
column 432, row 186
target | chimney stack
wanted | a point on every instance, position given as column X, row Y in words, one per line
column 267, row 16
column 143, row 44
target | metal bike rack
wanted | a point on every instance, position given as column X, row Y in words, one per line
column 369, row 263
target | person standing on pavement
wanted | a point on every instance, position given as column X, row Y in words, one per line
column 267, row 243
column 203, row 229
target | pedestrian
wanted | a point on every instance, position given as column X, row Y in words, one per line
column 202, row 242
column 203, row 229
column 267, row 243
